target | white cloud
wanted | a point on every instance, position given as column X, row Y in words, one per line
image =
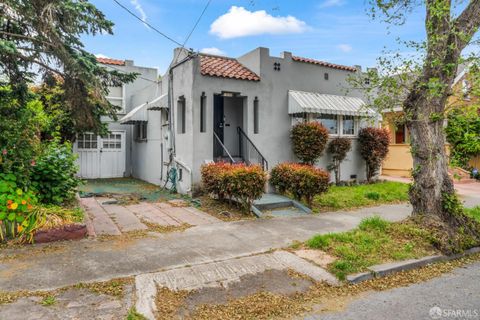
column 345, row 47
column 214, row 51
column 331, row 3
column 140, row 10
column 239, row 22
column 100, row 55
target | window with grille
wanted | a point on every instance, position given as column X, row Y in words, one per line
column 112, row 141
column 87, row 141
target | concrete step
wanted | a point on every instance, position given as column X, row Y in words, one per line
column 274, row 204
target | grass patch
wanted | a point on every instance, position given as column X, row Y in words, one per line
column 48, row 301
column 375, row 241
column 349, row 197
column 134, row 315
column 473, row 213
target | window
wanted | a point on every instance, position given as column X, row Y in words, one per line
column 330, row 121
column 367, row 81
column 325, row 75
column 141, row 131
column 400, row 134
column 87, row 141
column 203, row 113
column 255, row 116
column 112, row 141
column 115, row 97
column 181, row 115
column 348, row 125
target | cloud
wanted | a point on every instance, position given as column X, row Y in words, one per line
column 140, row 11
column 239, row 22
column 331, row 3
column 214, row 51
column 102, row 56
column 345, row 47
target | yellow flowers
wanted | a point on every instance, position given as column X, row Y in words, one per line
column 13, row 206
column 19, row 228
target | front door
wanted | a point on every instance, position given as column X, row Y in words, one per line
column 218, row 125
column 101, row 157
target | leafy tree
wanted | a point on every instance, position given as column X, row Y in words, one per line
column 421, row 85
column 308, row 141
column 338, row 148
column 463, row 134
column 43, row 36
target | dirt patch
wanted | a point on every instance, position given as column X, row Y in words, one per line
column 153, row 227
column 280, row 295
column 221, row 210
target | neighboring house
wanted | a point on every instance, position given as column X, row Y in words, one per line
column 111, row 156
column 212, row 108
column 399, row 161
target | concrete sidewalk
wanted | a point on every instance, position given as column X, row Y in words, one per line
column 88, row 261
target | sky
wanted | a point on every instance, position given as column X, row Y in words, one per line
column 337, row 31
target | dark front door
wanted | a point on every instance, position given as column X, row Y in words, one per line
column 218, row 125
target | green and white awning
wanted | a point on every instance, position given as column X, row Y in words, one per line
column 139, row 113
column 313, row 102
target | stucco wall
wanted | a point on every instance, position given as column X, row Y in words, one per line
column 143, row 89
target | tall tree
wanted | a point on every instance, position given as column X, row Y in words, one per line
column 424, row 84
column 43, row 36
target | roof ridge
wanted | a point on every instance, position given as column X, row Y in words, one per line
column 217, row 56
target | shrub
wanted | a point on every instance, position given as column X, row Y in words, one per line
column 301, row 180
column 17, row 217
column 308, row 141
column 373, row 148
column 54, row 173
column 338, row 148
column 240, row 182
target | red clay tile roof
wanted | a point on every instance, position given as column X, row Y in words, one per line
column 324, row 64
column 111, row 61
column 224, row 67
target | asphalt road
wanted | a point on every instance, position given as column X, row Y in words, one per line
column 453, row 296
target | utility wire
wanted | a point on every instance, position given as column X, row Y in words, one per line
column 193, row 29
column 146, row 23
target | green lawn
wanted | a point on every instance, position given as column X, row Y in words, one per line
column 473, row 212
column 375, row 241
column 349, row 197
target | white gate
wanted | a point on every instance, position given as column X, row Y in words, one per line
column 101, row 157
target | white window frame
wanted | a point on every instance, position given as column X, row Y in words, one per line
column 141, row 131
column 90, row 141
column 122, row 98
column 355, row 127
column 314, row 117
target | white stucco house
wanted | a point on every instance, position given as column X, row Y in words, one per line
column 210, row 108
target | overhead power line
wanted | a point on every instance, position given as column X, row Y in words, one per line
column 146, row 23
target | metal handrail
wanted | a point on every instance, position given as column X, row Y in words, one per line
column 264, row 161
column 224, row 148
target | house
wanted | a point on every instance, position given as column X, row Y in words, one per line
column 111, row 156
column 216, row 108
column 399, row 161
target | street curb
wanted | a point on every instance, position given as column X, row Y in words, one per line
column 382, row 270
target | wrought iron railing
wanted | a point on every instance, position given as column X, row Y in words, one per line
column 249, row 152
column 221, row 146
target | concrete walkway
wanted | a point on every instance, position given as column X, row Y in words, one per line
column 88, row 261
column 109, row 218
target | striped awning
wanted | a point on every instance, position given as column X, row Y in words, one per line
column 139, row 113
column 313, row 102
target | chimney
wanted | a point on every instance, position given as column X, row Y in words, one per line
column 129, row 63
column 286, row 55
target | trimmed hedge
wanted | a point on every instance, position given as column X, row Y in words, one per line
column 301, row 180
column 373, row 148
column 240, row 182
column 308, row 141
